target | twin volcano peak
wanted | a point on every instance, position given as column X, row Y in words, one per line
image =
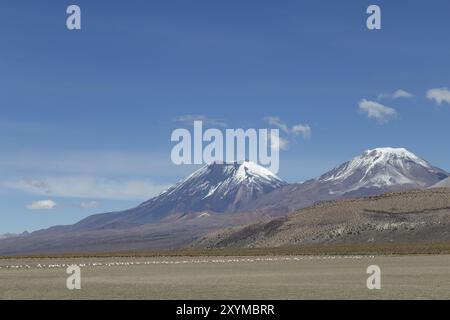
column 231, row 187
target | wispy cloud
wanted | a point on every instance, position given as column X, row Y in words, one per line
column 298, row 129
column 302, row 129
column 87, row 187
column 189, row 118
column 275, row 121
column 278, row 143
column 400, row 93
column 439, row 95
column 281, row 143
column 50, row 205
column 377, row 111
column 42, row 205
column 91, row 163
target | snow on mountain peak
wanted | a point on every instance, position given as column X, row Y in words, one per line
column 219, row 186
column 386, row 154
column 237, row 171
column 384, row 167
column 248, row 169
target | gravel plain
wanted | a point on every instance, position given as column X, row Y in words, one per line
column 263, row 277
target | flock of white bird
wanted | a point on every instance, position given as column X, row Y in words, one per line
column 174, row 262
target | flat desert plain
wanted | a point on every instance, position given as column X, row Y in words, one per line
column 263, row 277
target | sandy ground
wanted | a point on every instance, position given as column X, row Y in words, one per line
column 294, row 277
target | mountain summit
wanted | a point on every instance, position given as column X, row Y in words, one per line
column 386, row 169
column 218, row 187
column 373, row 172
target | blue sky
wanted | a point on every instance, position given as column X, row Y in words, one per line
column 86, row 116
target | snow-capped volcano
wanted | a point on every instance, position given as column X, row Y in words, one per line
column 383, row 168
column 218, row 187
column 374, row 172
column 218, row 180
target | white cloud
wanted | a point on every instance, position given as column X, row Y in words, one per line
column 302, row 129
column 50, row 204
column 277, row 122
column 402, row 94
column 87, row 187
column 42, row 205
column 377, row 111
column 278, row 143
column 439, row 95
column 396, row 95
column 86, row 205
column 281, row 143
column 190, row 118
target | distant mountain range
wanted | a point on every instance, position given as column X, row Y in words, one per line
column 226, row 194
